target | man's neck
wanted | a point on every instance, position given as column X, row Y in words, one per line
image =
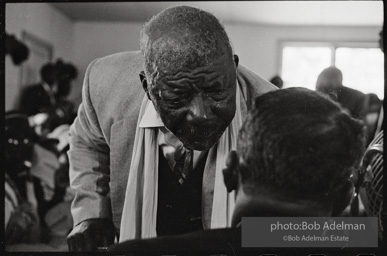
column 267, row 205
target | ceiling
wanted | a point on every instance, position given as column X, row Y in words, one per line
column 349, row 13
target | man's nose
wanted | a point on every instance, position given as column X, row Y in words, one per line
column 198, row 109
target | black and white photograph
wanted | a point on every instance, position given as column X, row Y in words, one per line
column 194, row 127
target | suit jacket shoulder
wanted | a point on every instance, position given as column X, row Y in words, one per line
column 114, row 88
column 252, row 84
column 101, row 137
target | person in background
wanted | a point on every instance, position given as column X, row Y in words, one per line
column 39, row 98
column 19, row 143
column 181, row 101
column 22, row 219
column 17, row 50
column 66, row 73
column 372, row 115
column 330, row 82
column 277, row 81
column 296, row 152
column 35, row 196
column 46, row 103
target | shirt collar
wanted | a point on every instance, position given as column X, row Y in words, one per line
column 151, row 118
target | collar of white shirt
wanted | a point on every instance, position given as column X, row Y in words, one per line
column 151, row 118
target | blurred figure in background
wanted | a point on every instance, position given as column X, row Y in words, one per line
column 19, row 143
column 66, row 73
column 361, row 106
column 277, row 81
column 18, row 51
column 39, row 98
column 37, row 195
column 46, row 103
column 330, row 82
column 41, row 178
column 22, row 221
column 372, row 116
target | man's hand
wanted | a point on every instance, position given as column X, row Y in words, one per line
column 90, row 234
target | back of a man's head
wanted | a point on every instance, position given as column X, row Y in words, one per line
column 330, row 79
column 183, row 37
column 300, row 145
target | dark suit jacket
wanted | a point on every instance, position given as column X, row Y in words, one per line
column 212, row 241
column 352, row 100
column 34, row 99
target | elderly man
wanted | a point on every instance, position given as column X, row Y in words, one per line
column 296, row 152
column 146, row 165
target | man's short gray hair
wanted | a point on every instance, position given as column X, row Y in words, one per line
column 181, row 37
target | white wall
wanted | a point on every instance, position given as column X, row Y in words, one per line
column 43, row 21
column 81, row 42
column 258, row 46
column 96, row 39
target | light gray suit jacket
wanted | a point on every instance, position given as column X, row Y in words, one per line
column 102, row 135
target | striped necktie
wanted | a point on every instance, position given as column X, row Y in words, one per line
column 184, row 166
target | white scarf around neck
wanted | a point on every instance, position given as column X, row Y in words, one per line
column 140, row 207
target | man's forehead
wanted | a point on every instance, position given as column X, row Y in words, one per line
column 208, row 71
column 201, row 76
column 184, row 47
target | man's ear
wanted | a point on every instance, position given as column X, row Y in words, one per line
column 144, row 83
column 236, row 60
column 343, row 199
column 230, row 173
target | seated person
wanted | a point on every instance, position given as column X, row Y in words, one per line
column 22, row 223
column 28, row 169
column 296, row 151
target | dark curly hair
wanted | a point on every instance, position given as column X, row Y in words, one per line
column 301, row 143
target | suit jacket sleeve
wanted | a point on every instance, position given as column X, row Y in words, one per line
column 89, row 160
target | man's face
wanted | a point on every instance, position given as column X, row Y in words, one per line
column 196, row 104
